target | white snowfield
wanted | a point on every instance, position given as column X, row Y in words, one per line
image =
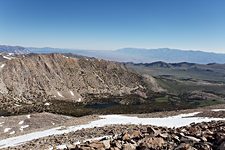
column 71, row 92
column 172, row 121
column 216, row 110
column 7, row 130
column 47, row 104
column 2, row 65
column 21, row 122
column 6, row 57
column 59, row 94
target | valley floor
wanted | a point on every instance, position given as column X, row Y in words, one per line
column 45, row 130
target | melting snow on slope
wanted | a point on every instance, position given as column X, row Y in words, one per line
column 172, row 121
column 2, row 65
column 47, row 104
column 7, row 130
column 21, row 122
column 7, row 57
column 216, row 110
column 25, row 126
column 79, row 100
column 71, row 92
column 59, row 94
column 13, row 132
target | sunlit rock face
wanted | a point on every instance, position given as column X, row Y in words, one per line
column 31, row 78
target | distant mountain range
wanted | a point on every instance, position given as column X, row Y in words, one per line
column 138, row 55
column 14, row 49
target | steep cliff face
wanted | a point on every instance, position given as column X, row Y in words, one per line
column 36, row 78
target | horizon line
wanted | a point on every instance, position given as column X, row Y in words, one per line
column 140, row 48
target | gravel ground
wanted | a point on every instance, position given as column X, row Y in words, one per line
column 204, row 113
column 18, row 125
column 44, row 121
column 112, row 131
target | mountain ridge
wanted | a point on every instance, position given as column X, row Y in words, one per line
column 39, row 78
column 135, row 55
column 14, row 49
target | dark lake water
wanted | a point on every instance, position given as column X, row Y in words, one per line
column 101, row 105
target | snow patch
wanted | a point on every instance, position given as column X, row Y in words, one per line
column 71, row 92
column 171, row 121
column 2, row 65
column 28, row 116
column 6, row 130
column 21, row 122
column 79, row 100
column 216, row 110
column 9, row 58
column 1, row 124
column 25, row 126
column 59, row 94
column 13, row 132
column 47, row 104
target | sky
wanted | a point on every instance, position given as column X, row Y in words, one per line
column 114, row 24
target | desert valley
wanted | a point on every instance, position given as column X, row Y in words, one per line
column 69, row 101
column 112, row 75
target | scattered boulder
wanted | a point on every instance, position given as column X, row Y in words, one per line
column 204, row 136
column 197, row 136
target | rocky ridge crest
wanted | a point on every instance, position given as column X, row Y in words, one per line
column 36, row 78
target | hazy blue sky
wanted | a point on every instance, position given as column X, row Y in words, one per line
column 112, row 24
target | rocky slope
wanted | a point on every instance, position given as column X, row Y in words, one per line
column 38, row 78
column 197, row 136
column 204, row 136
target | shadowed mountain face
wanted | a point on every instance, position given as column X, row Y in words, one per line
column 136, row 55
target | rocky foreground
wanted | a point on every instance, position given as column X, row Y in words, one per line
column 204, row 136
column 200, row 136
